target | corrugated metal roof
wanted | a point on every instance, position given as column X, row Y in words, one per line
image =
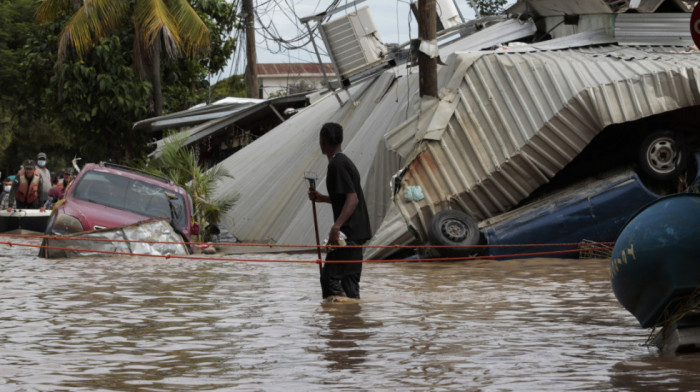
column 653, row 5
column 211, row 119
column 510, row 121
column 568, row 7
column 276, row 69
column 586, row 38
column 583, row 7
column 653, row 29
column 500, row 33
column 281, row 212
column 194, row 115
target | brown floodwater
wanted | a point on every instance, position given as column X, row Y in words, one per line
column 147, row 324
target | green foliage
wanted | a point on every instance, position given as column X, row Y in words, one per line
column 180, row 163
column 103, row 96
column 220, row 18
column 87, row 107
column 229, row 87
column 185, row 81
column 16, row 19
column 487, row 7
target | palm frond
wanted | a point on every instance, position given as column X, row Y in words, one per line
column 106, row 15
column 78, row 33
column 93, row 21
column 191, row 27
column 155, row 20
column 181, row 164
column 50, row 10
column 213, row 211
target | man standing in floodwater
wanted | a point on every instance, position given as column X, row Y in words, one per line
column 349, row 214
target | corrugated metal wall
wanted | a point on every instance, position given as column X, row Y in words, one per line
column 648, row 29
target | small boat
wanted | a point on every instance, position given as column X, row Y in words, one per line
column 149, row 237
column 655, row 266
column 30, row 219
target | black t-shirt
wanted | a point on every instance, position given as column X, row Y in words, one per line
column 343, row 178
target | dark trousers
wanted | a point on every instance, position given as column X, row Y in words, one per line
column 342, row 278
column 28, row 206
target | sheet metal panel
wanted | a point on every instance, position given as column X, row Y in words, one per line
column 653, row 5
column 653, row 29
column 568, row 7
column 522, row 117
column 151, row 237
column 586, row 38
column 185, row 117
column 268, row 174
column 503, row 32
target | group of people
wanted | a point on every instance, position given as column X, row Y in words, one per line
column 33, row 188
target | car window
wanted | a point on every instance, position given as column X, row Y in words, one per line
column 130, row 195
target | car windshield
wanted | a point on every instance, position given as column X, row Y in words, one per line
column 130, row 195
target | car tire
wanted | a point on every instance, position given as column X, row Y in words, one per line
column 662, row 155
column 453, row 228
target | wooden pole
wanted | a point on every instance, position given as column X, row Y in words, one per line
column 318, row 239
column 251, row 70
column 427, row 32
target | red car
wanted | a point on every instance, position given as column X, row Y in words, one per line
column 107, row 195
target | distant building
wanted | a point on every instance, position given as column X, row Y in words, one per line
column 277, row 79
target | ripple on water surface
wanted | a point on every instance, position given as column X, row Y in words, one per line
column 171, row 325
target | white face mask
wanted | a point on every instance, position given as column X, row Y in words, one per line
column 7, row 188
column 41, row 163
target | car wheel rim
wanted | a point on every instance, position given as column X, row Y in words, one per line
column 661, row 155
column 454, row 230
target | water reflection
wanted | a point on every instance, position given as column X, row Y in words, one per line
column 657, row 372
column 150, row 324
column 346, row 335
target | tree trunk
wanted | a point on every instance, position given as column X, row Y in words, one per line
column 155, row 77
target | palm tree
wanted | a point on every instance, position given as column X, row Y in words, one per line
column 172, row 24
column 181, row 164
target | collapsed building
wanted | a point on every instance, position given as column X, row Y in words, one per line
column 520, row 97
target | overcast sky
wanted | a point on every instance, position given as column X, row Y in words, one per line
column 393, row 18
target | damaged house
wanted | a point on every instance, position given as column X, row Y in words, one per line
column 520, row 98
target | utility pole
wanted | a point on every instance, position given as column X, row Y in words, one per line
column 251, row 70
column 427, row 33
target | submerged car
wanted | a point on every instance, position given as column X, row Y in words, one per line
column 106, row 195
column 555, row 225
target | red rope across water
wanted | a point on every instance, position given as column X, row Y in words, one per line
column 600, row 247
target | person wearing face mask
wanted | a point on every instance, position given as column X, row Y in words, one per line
column 45, row 175
column 27, row 188
column 5, row 200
